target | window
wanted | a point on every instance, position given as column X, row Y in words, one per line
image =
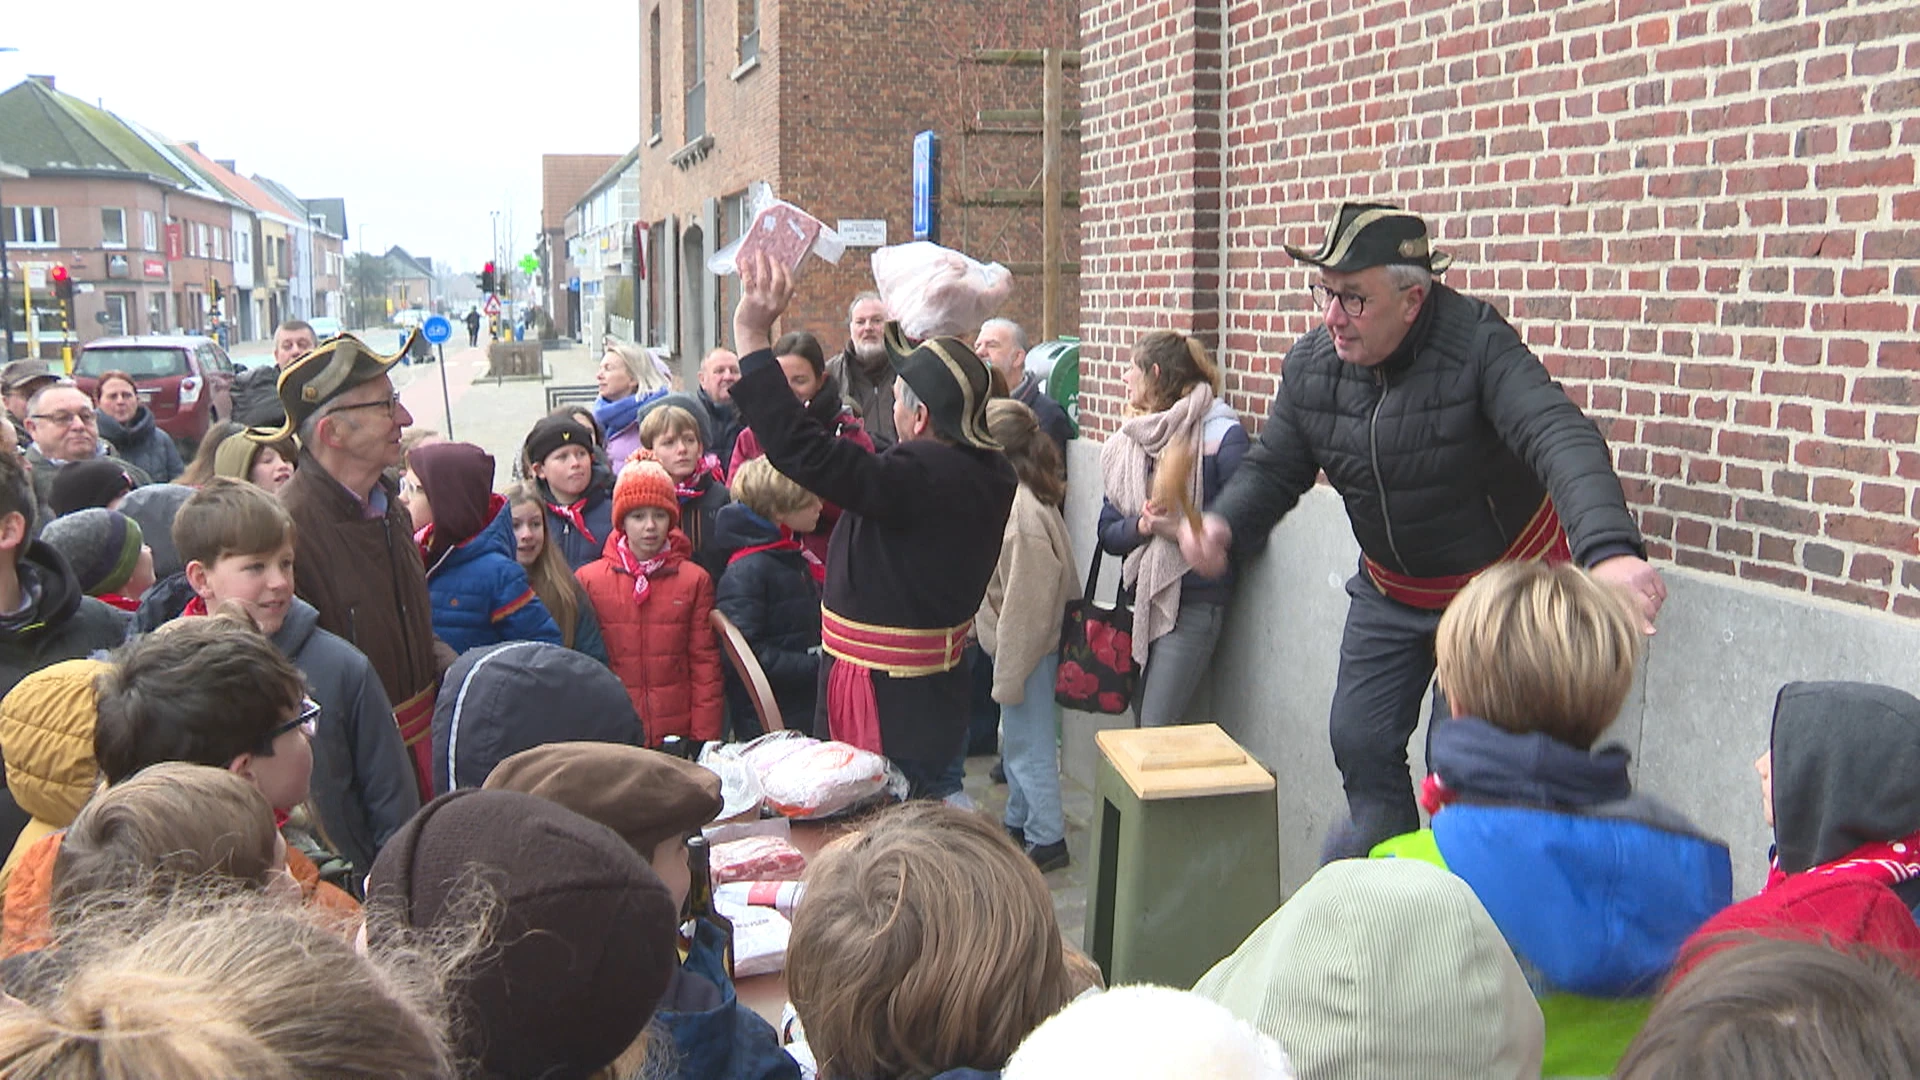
column 653, row 69
column 693, row 43
column 219, row 243
column 156, row 313
column 749, row 30
column 31, row 226
column 150, row 230
column 118, row 305
column 201, row 244
column 113, row 227
column 242, row 247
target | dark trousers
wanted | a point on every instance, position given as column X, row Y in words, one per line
column 1386, row 664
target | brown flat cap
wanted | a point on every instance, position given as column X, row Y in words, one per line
column 646, row 796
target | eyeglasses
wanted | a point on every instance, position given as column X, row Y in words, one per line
column 389, row 404
column 305, row 722
column 64, row 419
column 1350, row 302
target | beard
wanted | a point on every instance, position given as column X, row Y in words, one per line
column 870, row 356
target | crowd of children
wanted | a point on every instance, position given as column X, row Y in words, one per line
column 220, row 862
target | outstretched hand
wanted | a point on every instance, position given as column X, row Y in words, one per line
column 1206, row 550
column 766, row 287
column 1641, row 582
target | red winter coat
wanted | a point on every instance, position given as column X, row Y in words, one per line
column 664, row 651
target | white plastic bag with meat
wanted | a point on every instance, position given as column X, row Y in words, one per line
column 932, row 291
column 757, row 858
column 785, row 233
column 760, row 936
column 823, row 779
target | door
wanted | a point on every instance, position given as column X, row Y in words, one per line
column 117, row 307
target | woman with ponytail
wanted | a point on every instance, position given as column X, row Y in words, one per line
column 1173, row 391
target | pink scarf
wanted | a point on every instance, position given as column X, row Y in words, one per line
column 641, row 571
column 690, row 489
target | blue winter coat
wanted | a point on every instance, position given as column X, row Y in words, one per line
column 1595, row 888
column 714, row 1036
column 581, row 548
column 772, row 597
column 481, row 595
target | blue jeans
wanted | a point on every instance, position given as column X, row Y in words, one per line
column 1176, row 662
column 1029, row 741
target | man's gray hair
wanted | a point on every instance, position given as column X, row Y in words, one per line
column 1011, row 327
column 861, row 298
column 908, row 399
column 1405, row 277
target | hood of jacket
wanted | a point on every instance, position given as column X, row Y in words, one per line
column 713, row 1034
column 46, row 725
column 736, row 527
column 496, row 538
column 295, row 630
column 1845, row 755
column 50, row 590
column 155, row 506
column 1372, row 957
column 499, row 700
column 457, row 479
column 128, row 434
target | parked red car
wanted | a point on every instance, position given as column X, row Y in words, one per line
column 186, row 381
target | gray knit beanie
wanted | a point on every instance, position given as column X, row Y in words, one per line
column 1388, row 969
column 154, row 506
column 103, row 546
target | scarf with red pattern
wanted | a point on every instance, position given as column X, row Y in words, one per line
column 1889, row 862
column 690, row 488
column 576, row 515
column 787, row 542
column 641, row 570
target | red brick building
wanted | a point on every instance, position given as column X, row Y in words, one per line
column 821, row 101
column 1704, row 218
column 564, row 178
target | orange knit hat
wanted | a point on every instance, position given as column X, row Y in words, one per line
column 644, row 482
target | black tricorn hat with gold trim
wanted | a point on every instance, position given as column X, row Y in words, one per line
column 336, row 366
column 1374, row 234
column 950, row 381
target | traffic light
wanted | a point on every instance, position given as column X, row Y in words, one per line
column 488, row 279
column 219, row 294
column 62, row 283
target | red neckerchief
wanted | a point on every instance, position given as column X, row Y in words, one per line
column 787, row 542
column 1889, row 862
column 1434, row 794
column 118, row 602
column 691, row 489
column 576, row 515
column 623, row 555
column 195, row 606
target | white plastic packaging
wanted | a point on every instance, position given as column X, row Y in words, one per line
column 786, row 233
column 781, row 896
column 760, row 936
column 823, row 779
column 932, row 291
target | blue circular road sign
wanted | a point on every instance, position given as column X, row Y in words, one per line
column 436, row 329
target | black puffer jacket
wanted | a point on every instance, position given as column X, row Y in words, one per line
column 141, row 442
column 1442, row 452
column 772, row 597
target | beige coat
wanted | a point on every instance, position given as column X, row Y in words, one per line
column 1019, row 619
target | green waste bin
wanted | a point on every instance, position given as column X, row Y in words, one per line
column 1057, row 365
column 1186, row 853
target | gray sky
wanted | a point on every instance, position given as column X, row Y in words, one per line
column 378, row 103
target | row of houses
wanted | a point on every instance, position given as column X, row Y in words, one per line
column 156, row 236
column 819, row 105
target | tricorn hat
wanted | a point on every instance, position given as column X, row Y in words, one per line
column 1374, row 234
column 336, row 366
column 950, row 380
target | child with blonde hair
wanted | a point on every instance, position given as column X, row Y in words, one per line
column 1594, row 885
column 771, row 589
column 678, row 441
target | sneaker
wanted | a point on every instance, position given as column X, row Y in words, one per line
column 1019, row 836
column 998, row 774
column 1048, row 856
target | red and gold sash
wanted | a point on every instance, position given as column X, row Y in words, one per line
column 1541, row 538
column 860, row 649
column 415, row 718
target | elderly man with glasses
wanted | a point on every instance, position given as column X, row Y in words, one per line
column 65, row 429
column 1453, row 450
column 354, row 556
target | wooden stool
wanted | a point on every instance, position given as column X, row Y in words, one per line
column 1186, row 853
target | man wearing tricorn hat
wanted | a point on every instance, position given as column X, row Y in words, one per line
column 1452, row 448
column 354, row 556
column 909, row 562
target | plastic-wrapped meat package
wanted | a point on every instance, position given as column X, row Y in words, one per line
column 933, row 291
column 760, row 936
column 767, row 750
column 784, row 231
column 823, row 779
column 757, row 858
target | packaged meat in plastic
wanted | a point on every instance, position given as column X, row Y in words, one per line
column 785, row 233
column 781, row 896
column 823, row 779
column 757, row 858
column 932, row 291
column 766, row 751
column 760, row 936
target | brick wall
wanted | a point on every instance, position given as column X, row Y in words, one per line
column 828, row 119
column 1702, row 216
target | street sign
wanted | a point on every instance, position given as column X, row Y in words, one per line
column 926, row 186
column 436, row 329
column 492, row 306
column 862, row 232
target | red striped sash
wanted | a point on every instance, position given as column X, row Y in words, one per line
column 860, row 649
column 415, row 718
column 1541, row 538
